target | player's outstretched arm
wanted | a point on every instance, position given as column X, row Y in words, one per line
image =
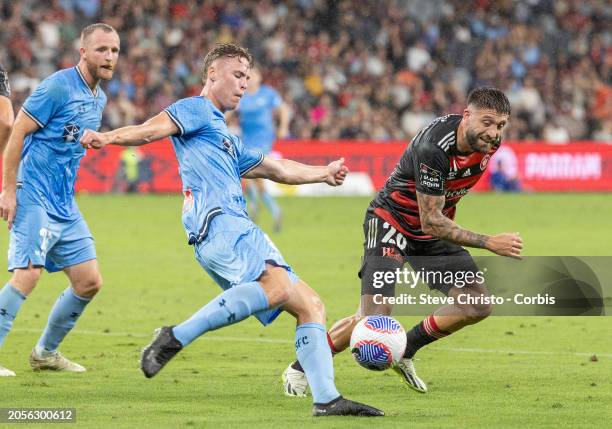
column 433, row 222
column 23, row 126
column 295, row 173
column 156, row 128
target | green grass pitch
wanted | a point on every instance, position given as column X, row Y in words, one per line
column 505, row 372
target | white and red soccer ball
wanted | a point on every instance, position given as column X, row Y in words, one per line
column 377, row 342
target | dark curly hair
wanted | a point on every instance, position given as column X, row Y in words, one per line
column 489, row 98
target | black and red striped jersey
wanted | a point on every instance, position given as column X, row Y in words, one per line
column 432, row 165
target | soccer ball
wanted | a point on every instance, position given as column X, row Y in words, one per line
column 377, row 342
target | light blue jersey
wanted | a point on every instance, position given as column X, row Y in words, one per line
column 63, row 106
column 228, row 245
column 256, row 117
column 49, row 230
column 211, row 161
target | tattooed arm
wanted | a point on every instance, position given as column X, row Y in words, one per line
column 433, row 222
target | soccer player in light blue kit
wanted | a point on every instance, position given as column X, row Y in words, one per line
column 253, row 274
column 39, row 170
column 256, row 112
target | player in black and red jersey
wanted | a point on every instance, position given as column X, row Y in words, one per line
column 411, row 220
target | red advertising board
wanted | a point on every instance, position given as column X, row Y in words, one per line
column 540, row 167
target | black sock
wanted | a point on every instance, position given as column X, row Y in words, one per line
column 422, row 334
column 296, row 365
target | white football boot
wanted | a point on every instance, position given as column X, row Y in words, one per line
column 405, row 369
column 5, row 372
column 294, row 382
column 53, row 362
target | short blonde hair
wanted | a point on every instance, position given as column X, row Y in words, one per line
column 228, row 50
column 87, row 31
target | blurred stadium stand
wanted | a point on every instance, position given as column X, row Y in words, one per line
column 375, row 70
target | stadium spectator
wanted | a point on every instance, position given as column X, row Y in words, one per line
column 502, row 180
column 376, row 71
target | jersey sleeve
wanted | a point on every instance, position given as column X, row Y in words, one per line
column 45, row 101
column 431, row 167
column 248, row 159
column 5, row 88
column 189, row 115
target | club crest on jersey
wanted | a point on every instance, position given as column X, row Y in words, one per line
column 485, row 161
column 71, row 133
column 229, row 148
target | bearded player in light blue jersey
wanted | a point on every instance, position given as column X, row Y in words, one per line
column 39, row 170
column 256, row 115
column 253, row 274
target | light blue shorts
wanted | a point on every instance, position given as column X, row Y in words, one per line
column 236, row 251
column 45, row 242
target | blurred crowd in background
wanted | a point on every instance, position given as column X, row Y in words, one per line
column 348, row 69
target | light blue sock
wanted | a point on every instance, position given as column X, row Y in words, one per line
column 231, row 306
column 62, row 319
column 10, row 301
column 314, row 355
column 271, row 204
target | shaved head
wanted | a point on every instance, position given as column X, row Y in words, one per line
column 89, row 30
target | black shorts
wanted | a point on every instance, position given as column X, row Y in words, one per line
column 386, row 249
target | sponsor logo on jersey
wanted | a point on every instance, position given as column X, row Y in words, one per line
column 467, row 173
column 389, row 252
column 457, row 193
column 430, row 177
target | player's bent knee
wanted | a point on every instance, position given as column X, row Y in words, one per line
column 476, row 312
column 88, row 287
column 305, row 304
column 352, row 321
column 25, row 280
column 316, row 307
column 370, row 306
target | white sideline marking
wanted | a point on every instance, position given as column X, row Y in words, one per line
column 287, row 342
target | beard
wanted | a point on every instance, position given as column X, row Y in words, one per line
column 94, row 71
column 476, row 143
